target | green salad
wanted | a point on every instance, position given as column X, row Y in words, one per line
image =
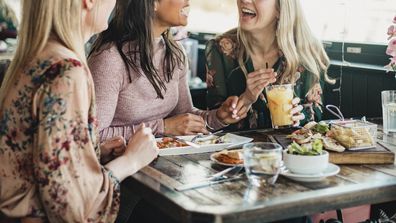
column 321, row 128
column 313, row 149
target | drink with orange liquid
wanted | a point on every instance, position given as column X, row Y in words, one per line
column 279, row 99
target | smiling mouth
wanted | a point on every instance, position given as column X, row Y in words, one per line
column 248, row 13
column 185, row 11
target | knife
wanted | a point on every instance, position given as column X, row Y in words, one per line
column 222, row 174
column 207, row 183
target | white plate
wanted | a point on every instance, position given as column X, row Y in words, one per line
column 234, row 141
column 212, row 157
column 331, row 170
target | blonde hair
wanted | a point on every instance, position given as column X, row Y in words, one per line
column 295, row 40
column 41, row 19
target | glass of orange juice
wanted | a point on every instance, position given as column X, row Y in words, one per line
column 279, row 98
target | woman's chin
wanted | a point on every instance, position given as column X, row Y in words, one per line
column 247, row 27
column 183, row 21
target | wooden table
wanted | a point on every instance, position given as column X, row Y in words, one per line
column 238, row 202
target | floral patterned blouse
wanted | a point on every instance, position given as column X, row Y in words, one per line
column 225, row 78
column 49, row 154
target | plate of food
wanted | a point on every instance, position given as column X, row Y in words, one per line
column 228, row 157
column 337, row 137
column 179, row 145
column 313, row 132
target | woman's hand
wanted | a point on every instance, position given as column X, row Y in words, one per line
column 297, row 116
column 140, row 151
column 228, row 112
column 112, row 148
column 255, row 84
column 142, row 148
column 185, row 124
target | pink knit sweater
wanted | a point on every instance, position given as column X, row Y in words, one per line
column 123, row 106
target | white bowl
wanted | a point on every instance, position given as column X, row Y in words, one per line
column 302, row 164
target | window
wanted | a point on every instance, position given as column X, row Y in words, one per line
column 212, row 16
column 358, row 21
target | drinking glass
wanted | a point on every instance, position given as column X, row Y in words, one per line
column 389, row 112
column 279, row 99
column 262, row 161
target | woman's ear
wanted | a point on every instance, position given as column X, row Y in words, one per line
column 88, row 4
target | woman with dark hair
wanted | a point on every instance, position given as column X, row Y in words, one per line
column 140, row 74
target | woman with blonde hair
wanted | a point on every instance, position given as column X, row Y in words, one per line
column 50, row 169
column 272, row 45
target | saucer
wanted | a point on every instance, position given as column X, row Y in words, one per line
column 331, row 170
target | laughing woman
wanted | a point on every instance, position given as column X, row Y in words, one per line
column 140, row 74
column 272, row 44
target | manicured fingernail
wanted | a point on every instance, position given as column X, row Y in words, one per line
column 233, row 105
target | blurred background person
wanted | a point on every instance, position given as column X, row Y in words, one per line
column 8, row 21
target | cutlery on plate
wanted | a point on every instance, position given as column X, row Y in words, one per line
column 200, row 135
column 182, row 140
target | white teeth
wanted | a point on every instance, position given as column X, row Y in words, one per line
column 248, row 11
column 185, row 11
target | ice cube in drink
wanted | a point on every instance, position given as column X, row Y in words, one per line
column 279, row 99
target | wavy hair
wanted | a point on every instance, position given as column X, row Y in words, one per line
column 296, row 41
column 132, row 26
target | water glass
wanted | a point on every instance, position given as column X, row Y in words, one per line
column 262, row 161
column 279, row 99
column 389, row 112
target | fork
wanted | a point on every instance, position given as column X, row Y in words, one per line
column 207, row 126
column 201, row 135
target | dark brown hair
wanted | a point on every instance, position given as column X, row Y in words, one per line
column 133, row 22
